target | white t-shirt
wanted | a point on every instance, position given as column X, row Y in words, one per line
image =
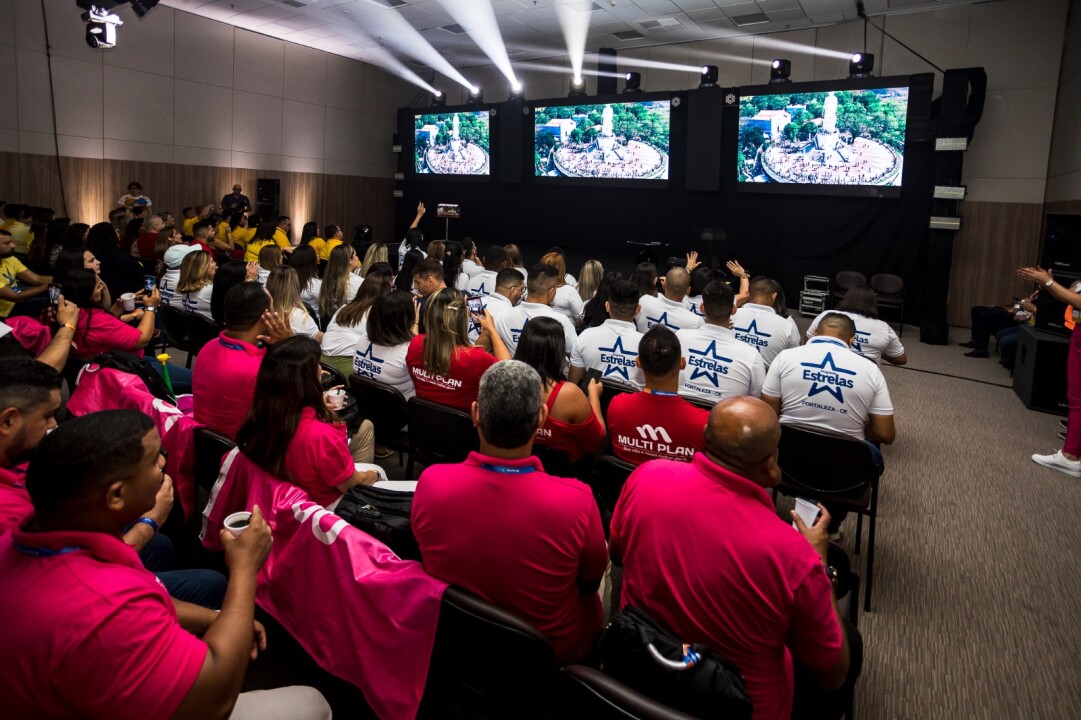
column 471, row 268
column 568, row 302
column 825, row 386
column 694, row 304
column 510, row 324
column 483, row 283
column 310, row 294
column 610, row 348
column 262, row 276
column 167, row 285
column 570, row 280
column 302, row 323
column 874, row 338
column 383, row 364
column 762, row 328
column 197, row 302
column 718, row 365
column 660, row 310
column 495, row 304
column 461, row 282
column 341, row 341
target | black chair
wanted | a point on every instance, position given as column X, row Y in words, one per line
column 611, row 389
column 438, row 434
column 488, row 660
column 386, row 407
column 595, row 695
column 609, row 475
column 200, row 332
column 333, row 377
column 555, row 462
column 845, row 281
column 699, row 402
column 210, row 448
column 890, row 294
column 839, row 472
column 177, row 330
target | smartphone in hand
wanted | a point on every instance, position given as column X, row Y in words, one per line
column 475, row 303
column 55, row 289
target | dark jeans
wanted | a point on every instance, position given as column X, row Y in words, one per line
column 838, row 516
column 811, row 701
column 985, row 322
column 198, row 586
column 179, row 376
column 1007, row 345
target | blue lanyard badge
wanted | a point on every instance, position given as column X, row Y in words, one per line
column 45, row 552
column 509, row 469
column 231, row 346
column 663, row 393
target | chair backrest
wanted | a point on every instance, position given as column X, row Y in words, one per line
column 609, row 476
column 333, row 377
column 887, row 284
column 699, row 402
column 555, row 462
column 824, row 465
column 848, row 279
column 610, row 390
column 176, row 327
column 200, row 331
column 440, row 434
column 598, row 696
column 385, row 406
column 210, row 448
column 490, row 658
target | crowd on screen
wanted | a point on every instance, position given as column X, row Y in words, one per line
column 687, row 373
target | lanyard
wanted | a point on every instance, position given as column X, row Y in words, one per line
column 662, row 393
column 45, row 552
column 231, row 346
column 509, row 469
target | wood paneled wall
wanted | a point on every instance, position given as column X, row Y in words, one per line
column 92, row 187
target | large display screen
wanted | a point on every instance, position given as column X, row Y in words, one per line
column 609, row 141
column 452, row 143
column 835, row 138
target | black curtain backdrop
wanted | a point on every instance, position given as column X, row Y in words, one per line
column 785, row 236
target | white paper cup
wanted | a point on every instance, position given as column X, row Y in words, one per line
column 238, row 522
column 129, row 301
column 335, row 398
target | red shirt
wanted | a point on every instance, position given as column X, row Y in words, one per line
column 644, row 426
column 520, row 539
column 318, row 458
column 14, row 500
column 98, row 331
column 223, row 383
column 459, row 388
column 750, row 587
column 88, row 632
column 145, row 244
column 574, row 439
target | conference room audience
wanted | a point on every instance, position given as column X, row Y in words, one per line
column 403, row 281
column 130, row 236
column 227, row 277
column 333, row 237
column 453, row 257
column 291, row 433
column 437, row 249
column 264, row 236
column 875, row 339
column 305, row 261
column 514, row 259
column 381, row 350
column 589, row 279
column 345, row 328
column 644, row 276
column 540, row 292
column 147, row 239
column 82, row 259
column 988, row 320
column 509, row 288
column 167, row 237
column 669, row 309
column 22, row 291
column 414, row 238
column 376, row 253
column 470, row 262
column 17, row 224
column 717, row 365
column 656, row 422
column 309, row 237
column 566, row 300
column 575, row 422
column 595, row 311
column 567, row 277
column 92, row 477
column 196, row 284
column 612, row 347
column 760, row 325
column 483, row 283
column 340, row 280
column 284, row 292
column 282, row 229
column 270, row 258
column 428, row 279
column 170, row 279
column 748, row 586
column 499, row 526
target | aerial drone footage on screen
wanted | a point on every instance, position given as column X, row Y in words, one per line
column 842, row 137
column 614, row 141
column 452, row 143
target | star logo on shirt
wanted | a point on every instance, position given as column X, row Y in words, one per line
column 370, row 354
column 861, row 339
column 708, row 370
column 481, row 291
column 662, row 320
column 824, row 384
column 753, row 329
column 517, row 332
column 617, row 347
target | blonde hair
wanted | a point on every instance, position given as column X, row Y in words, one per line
column 446, row 325
column 195, row 272
column 270, row 256
column 284, row 289
column 590, row 279
column 556, row 261
column 335, row 288
column 514, row 256
column 376, row 253
column 437, row 249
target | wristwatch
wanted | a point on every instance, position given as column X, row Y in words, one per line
column 151, row 308
column 1050, row 282
column 831, row 573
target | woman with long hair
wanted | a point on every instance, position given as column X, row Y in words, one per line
column 305, row 261
column 595, row 312
column 264, row 235
column 645, row 277
column 414, row 238
column 340, row 281
column 445, row 367
column 347, row 325
column 80, row 259
column 121, row 272
column 75, row 236
column 381, row 349
column 270, row 257
column 589, row 279
column 566, row 302
column 284, row 292
column 48, row 239
column 167, row 237
column 229, row 275
column 575, row 423
column 514, row 257
column 291, row 433
column 453, row 275
column 196, row 285
column 309, row 236
column 376, row 253
column 403, row 281
column 437, row 249
column 875, row 339
column 131, row 234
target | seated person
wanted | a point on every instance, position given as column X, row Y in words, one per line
column 96, row 609
column 382, row 348
column 540, row 292
column 173, row 259
column 748, row 586
column 284, row 289
column 611, row 347
column 670, row 309
column 22, row 291
column 499, row 526
column 270, row 257
column 291, row 433
column 758, row 323
column 575, row 423
column 717, row 365
column 445, row 367
column 509, row 288
column 223, row 381
column 875, row 339
column 347, row 325
column 340, row 282
column 483, row 283
column 196, row 284
column 656, row 422
column 990, row 320
column 566, row 301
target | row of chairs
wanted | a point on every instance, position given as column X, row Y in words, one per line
column 185, row 331
column 889, row 291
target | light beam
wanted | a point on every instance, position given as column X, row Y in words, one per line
column 478, row 19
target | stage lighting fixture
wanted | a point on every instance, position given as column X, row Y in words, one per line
column 101, row 27
column 142, row 7
column 476, row 95
column 517, row 91
column 578, row 87
column 780, row 70
column 709, row 76
column 439, row 98
column 861, row 65
column 634, row 83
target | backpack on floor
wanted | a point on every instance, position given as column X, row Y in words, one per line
column 383, row 514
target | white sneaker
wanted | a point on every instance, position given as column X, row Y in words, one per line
column 1056, row 461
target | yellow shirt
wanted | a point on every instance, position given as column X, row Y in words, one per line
column 251, row 252
column 330, row 245
column 223, row 232
column 282, row 239
column 9, row 275
column 20, row 233
column 318, row 245
column 242, row 236
column 186, row 227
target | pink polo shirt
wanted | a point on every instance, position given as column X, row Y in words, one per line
column 318, row 457
column 520, row 539
column 88, row 632
column 14, row 500
column 98, row 331
column 223, row 383
column 705, row 554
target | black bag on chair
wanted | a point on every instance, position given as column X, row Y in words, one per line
column 644, row 656
column 383, row 514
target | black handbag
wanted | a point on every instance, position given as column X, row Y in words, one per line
column 690, row 678
column 383, row 514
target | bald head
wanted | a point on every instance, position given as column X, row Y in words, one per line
column 742, row 435
column 837, row 326
column 676, row 283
